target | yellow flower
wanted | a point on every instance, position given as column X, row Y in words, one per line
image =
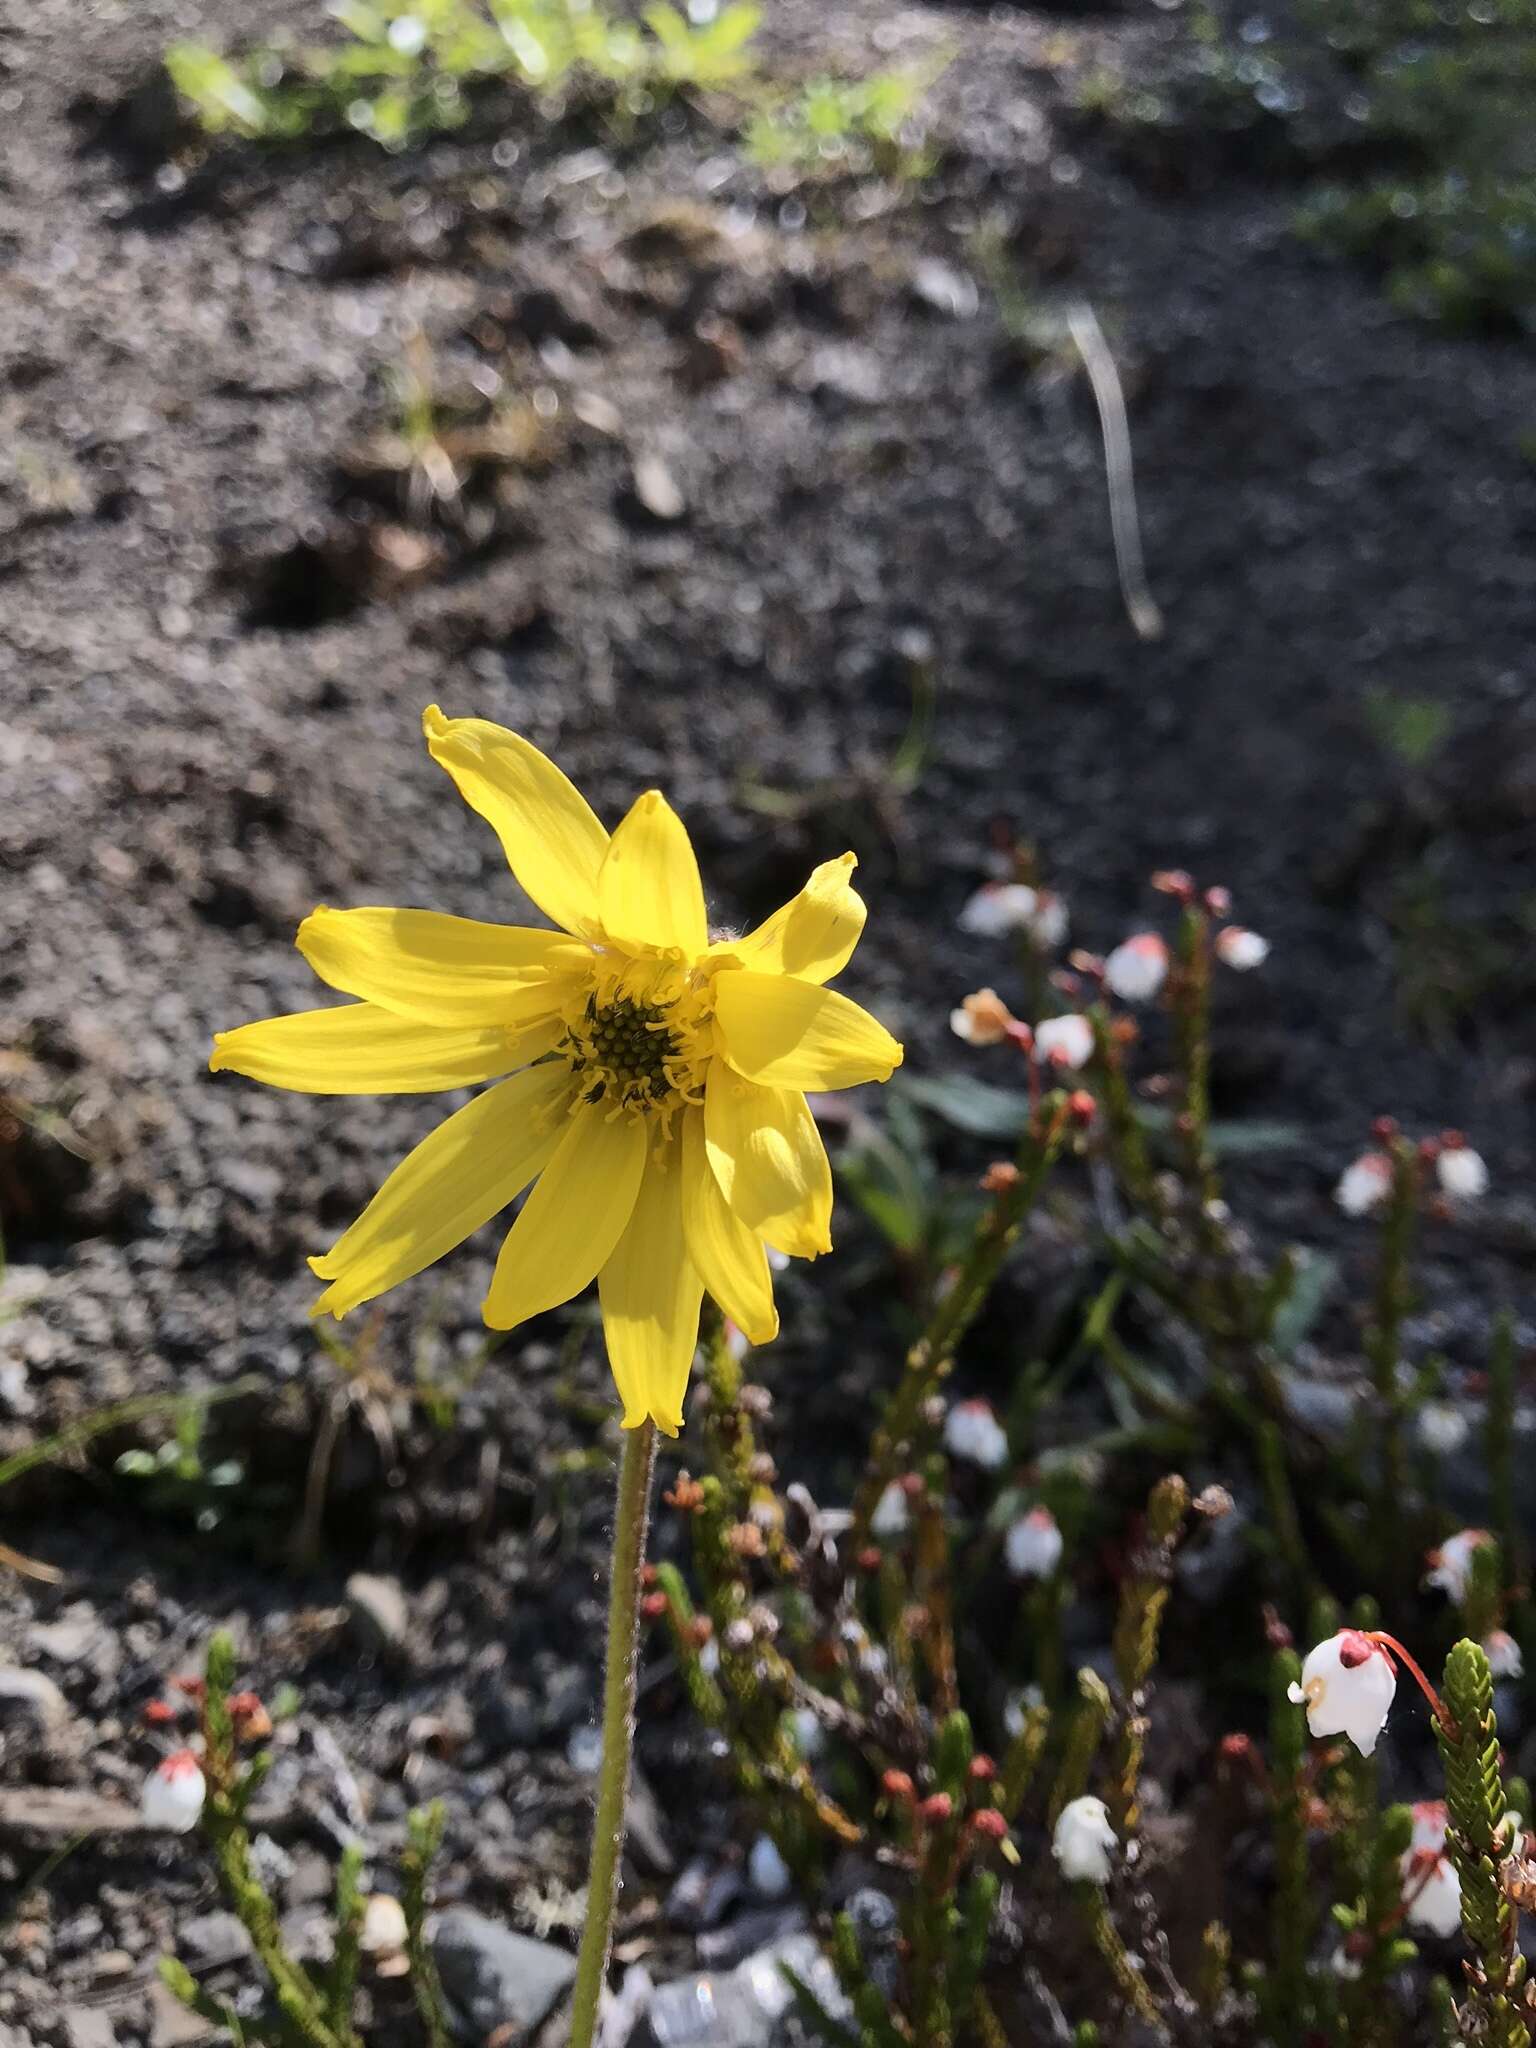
column 653, row 1090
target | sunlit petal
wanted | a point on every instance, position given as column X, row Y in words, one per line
column 444, row 970
column 730, row 1258
column 792, row 1034
column 459, row 1176
column 649, row 892
column 766, row 1152
column 360, row 1049
column 813, row 936
column 552, row 839
column 573, row 1219
column 650, row 1293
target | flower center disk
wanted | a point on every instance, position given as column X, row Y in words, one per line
column 635, row 1054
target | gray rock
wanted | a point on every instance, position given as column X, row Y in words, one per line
column 170, row 2024
column 748, row 2007
column 30, row 1702
column 88, row 2026
column 496, row 1977
column 378, row 1610
column 211, row 1940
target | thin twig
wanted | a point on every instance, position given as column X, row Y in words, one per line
column 1141, row 607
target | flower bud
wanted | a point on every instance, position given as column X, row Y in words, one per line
column 937, row 1808
column 897, row 1785
column 174, row 1793
column 990, row 1822
column 1347, row 1687
column 981, row 1770
column 1083, row 1841
column 653, row 1605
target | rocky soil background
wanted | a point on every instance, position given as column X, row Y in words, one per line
column 779, row 449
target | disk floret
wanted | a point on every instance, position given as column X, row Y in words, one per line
column 638, row 1050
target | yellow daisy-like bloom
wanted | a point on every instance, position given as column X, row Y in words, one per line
column 649, row 1083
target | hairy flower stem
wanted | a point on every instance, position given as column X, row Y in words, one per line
column 630, row 1522
column 930, row 1357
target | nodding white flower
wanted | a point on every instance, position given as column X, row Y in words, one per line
column 1442, row 1427
column 1451, row 1564
column 1064, row 1041
column 982, row 1019
column 807, row 1734
column 1431, row 1817
column 1240, row 949
column 891, row 1517
column 736, row 1340
column 1503, row 1654
column 1431, row 1892
column 173, row 1794
column 973, row 1432
column 1510, row 1833
column 383, row 1931
column 767, row 1872
column 1137, row 968
column 1050, row 923
column 999, row 908
column 1461, row 1172
column 709, row 1658
column 1033, row 1545
column 1347, row 1686
column 1084, row 1842
column 1365, row 1185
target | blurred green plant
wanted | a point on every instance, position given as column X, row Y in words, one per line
column 176, row 1479
column 410, row 66
column 836, row 126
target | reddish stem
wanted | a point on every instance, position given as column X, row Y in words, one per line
column 1395, row 1649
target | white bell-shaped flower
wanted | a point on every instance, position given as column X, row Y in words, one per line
column 1365, row 1184
column 1451, row 1564
column 1084, row 1843
column 1033, row 1545
column 973, row 1432
column 1064, row 1041
column 1137, row 968
column 1461, row 1172
column 891, row 1516
column 174, row 1793
column 998, row 909
column 1347, row 1687
column 1241, row 949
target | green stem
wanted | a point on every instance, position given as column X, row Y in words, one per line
column 630, row 1521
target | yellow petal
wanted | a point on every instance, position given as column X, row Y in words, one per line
column 813, row 936
column 791, row 1034
column 730, row 1259
column 444, row 970
column 571, row 1221
column 650, row 1294
column 649, row 892
column 360, row 1049
column 553, row 841
column 470, row 1167
column 766, row 1153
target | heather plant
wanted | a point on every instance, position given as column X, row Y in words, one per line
column 210, row 1789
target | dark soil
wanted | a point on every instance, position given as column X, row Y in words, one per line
column 220, row 618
